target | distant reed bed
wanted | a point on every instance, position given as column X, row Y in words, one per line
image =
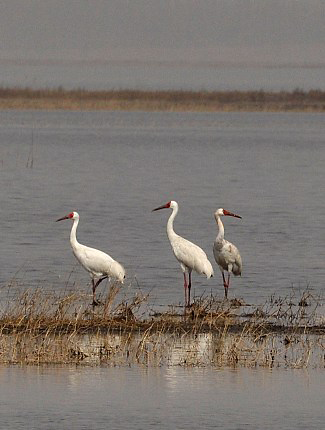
column 201, row 101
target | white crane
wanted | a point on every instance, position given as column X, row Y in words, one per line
column 97, row 263
column 225, row 253
column 190, row 256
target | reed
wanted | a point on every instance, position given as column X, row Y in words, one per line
column 38, row 328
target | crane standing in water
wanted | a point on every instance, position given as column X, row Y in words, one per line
column 225, row 253
column 190, row 256
column 97, row 263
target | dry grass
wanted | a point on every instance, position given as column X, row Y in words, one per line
column 41, row 328
column 201, row 101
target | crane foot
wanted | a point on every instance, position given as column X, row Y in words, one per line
column 96, row 303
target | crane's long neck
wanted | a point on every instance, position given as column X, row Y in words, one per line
column 73, row 234
column 170, row 224
column 221, row 232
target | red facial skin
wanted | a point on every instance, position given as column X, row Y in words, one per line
column 167, row 205
column 66, row 217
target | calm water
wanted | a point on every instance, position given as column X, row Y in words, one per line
column 153, row 76
column 164, row 398
column 114, row 168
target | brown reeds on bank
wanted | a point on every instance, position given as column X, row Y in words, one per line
column 196, row 101
column 38, row 328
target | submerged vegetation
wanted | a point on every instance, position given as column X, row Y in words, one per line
column 37, row 327
column 201, row 101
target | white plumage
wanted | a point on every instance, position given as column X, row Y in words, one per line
column 97, row 263
column 226, row 253
column 190, row 256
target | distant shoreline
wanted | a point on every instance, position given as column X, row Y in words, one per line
column 168, row 101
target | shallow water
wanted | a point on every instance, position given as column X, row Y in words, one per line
column 115, row 167
column 166, row 398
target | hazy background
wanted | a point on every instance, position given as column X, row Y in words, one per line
column 260, row 33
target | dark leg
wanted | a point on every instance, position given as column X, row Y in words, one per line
column 228, row 283
column 225, row 285
column 95, row 302
column 226, row 291
column 189, row 288
column 185, row 289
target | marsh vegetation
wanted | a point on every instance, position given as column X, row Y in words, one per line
column 38, row 327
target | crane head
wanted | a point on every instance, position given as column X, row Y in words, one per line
column 167, row 205
column 71, row 215
column 224, row 212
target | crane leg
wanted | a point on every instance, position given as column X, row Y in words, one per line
column 95, row 303
column 185, row 289
column 228, row 283
column 189, row 288
column 225, row 284
column 95, row 285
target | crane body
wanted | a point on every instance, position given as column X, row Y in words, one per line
column 97, row 263
column 226, row 253
column 190, row 256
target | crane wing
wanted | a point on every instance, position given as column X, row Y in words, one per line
column 93, row 260
column 192, row 256
column 226, row 254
